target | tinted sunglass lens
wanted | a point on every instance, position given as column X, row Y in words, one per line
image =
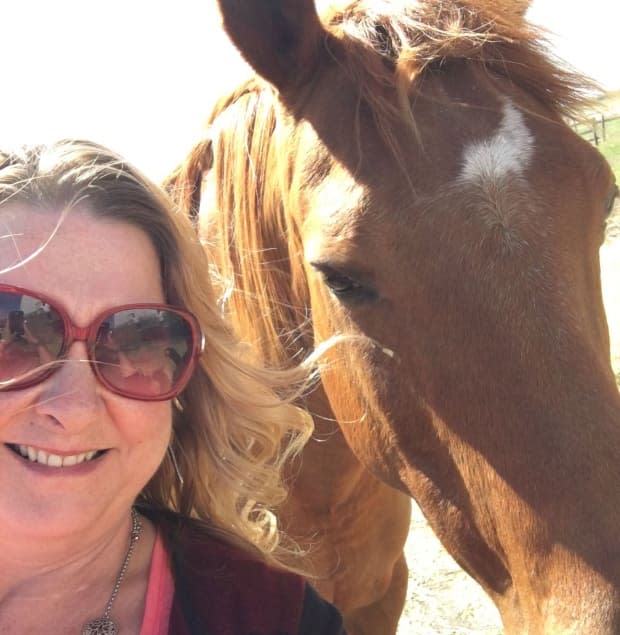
column 143, row 352
column 31, row 338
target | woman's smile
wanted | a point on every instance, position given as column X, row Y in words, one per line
column 50, row 459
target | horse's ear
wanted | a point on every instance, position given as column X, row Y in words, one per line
column 279, row 38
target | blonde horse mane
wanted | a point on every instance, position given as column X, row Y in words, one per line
column 249, row 154
column 262, row 287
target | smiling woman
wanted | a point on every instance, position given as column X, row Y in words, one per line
column 140, row 454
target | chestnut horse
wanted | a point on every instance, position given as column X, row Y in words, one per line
column 401, row 172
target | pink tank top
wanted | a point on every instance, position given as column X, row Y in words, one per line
column 159, row 592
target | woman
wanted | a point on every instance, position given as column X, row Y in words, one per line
column 141, row 456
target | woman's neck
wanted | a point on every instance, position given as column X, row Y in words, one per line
column 67, row 581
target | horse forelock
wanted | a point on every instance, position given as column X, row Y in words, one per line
column 389, row 46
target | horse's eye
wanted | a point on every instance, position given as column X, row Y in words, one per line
column 345, row 287
column 341, row 285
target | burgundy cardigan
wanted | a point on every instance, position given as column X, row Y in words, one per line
column 222, row 590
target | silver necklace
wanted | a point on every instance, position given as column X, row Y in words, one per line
column 105, row 625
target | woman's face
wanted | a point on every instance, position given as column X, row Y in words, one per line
column 87, row 266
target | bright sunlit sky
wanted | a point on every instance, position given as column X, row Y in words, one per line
column 140, row 76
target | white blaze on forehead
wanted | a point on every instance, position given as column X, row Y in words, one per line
column 508, row 151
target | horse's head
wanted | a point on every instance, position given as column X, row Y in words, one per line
column 402, row 172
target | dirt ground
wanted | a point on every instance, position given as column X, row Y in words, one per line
column 442, row 598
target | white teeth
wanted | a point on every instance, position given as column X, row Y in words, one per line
column 54, row 460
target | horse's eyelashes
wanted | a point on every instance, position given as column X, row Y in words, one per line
column 345, row 286
column 341, row 284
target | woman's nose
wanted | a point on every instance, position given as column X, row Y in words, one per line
column 71, row 393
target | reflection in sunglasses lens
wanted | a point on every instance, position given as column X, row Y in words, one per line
column 143, row 351
column 31, row 335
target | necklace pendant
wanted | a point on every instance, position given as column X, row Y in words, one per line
column 100, row 626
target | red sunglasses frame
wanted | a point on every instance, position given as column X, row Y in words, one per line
column 88, row 334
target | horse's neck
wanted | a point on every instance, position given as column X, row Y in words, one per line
column 329, row 470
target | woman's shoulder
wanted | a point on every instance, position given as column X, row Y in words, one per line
column 209, row 554
column 211, row 559
column 223, row 588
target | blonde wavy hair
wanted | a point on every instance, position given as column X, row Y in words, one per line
column 235, row 425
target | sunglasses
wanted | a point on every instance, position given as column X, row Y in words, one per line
column 141, row 351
